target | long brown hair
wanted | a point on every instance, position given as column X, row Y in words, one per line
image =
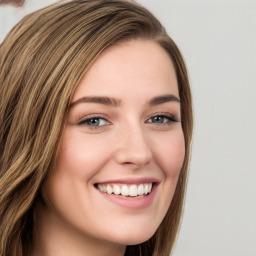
column 42, row 61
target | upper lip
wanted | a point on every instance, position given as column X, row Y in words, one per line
column 135, row 181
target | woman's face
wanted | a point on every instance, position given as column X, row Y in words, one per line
column 123, row 135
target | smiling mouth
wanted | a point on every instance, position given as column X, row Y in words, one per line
column 126, row 190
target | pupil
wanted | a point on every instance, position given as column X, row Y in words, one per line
column 158, row 119
column 93, row 121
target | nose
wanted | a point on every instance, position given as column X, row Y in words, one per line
column 133, row 148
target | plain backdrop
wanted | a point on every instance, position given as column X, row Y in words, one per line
column 218, row 41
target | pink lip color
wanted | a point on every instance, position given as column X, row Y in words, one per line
column 131, row 181
column 132, row 203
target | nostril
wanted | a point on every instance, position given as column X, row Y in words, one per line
column 132, row 156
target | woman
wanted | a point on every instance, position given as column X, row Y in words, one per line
column 96, row 124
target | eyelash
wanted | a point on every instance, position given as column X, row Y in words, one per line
column 87, row 120
column 167, row 120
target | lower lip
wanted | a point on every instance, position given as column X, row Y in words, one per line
column 132, row 203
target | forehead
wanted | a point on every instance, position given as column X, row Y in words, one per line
column 129, row 69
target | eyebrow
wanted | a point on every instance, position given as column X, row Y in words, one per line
column 109, row 101
column 163, row 99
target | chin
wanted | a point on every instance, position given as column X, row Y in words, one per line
column 139, row 239
column 133, row 237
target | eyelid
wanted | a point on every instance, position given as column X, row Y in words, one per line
column 82, row 121
column 172, row 118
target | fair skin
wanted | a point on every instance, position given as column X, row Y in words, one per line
column 123, row 135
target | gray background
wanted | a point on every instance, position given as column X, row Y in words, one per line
column 218, row 41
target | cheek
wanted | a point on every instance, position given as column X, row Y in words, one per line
column 170, row 154
column 79, row 155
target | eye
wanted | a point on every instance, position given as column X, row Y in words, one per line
column 94, row 122
column 162, row 119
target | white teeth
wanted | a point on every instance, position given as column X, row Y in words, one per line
column 100, row 187
column 133, row 190
column 125, row 190
column 146, row 189
column 109, row 189
column 140, row 190
column 149, row 187
column 117, row 190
